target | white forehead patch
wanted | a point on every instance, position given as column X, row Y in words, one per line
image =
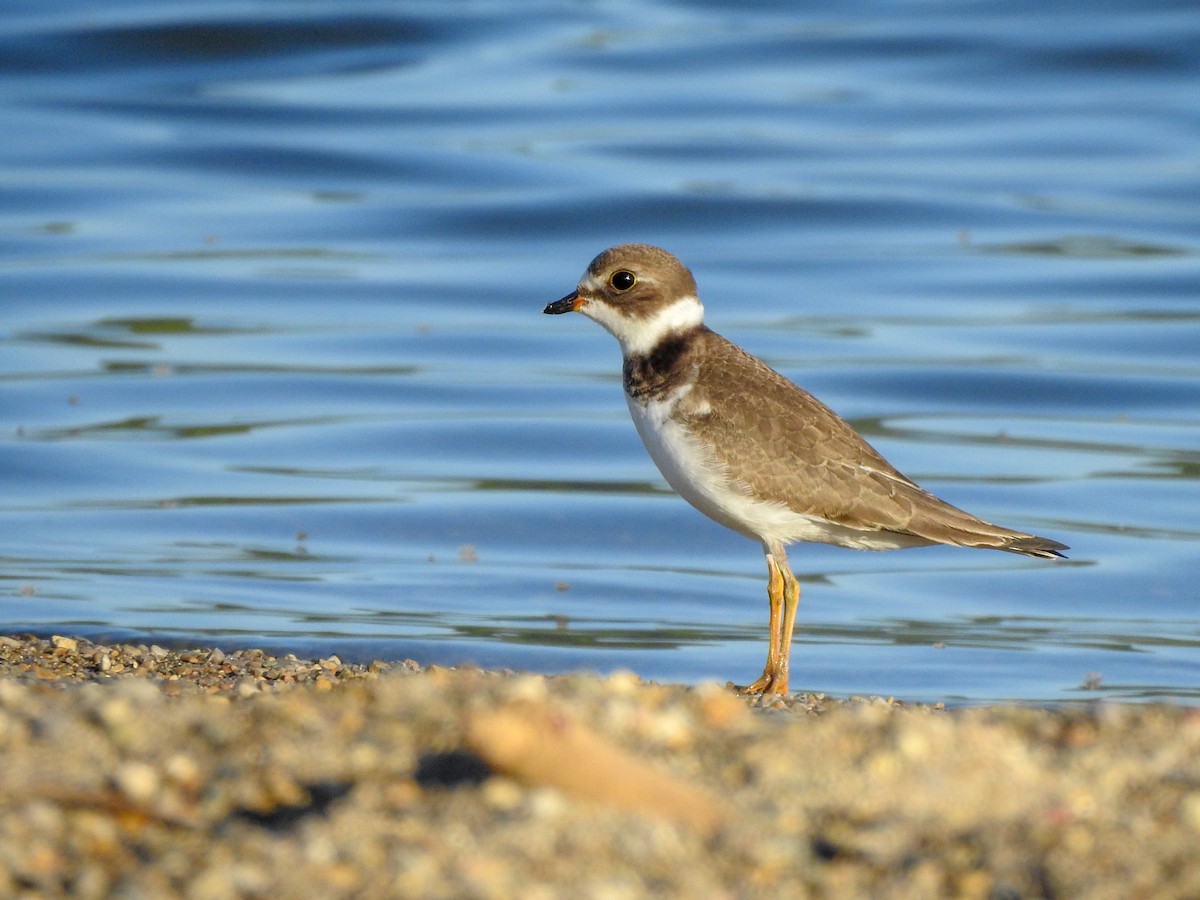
column 588, row 284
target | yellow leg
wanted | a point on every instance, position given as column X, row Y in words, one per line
column 791, row 602
column 776, row 590
column 783, row 593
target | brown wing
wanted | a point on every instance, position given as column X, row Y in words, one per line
column 814, row 462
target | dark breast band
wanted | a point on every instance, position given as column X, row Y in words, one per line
column 654, row 375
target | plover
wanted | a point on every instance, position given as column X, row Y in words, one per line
column 750, row 449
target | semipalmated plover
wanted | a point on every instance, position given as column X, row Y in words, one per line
column 750, row 449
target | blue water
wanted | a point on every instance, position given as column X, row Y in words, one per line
column 273, row 368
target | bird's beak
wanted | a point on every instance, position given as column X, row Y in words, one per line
column 567, row 304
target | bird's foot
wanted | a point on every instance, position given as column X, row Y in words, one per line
column 768, row 685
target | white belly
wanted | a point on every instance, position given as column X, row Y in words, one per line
column 707, row 484
column 713, row 489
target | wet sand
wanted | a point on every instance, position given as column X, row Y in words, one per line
column 141, row 771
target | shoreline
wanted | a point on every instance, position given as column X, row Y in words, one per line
column 200, row 773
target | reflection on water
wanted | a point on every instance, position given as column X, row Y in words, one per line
column 273, row 367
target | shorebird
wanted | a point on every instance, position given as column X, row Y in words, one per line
column 750, row 449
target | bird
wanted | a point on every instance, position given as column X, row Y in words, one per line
column 752, row 450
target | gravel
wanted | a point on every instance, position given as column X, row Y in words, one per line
column 138, row 771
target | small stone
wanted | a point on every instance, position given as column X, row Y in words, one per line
column 138, row 781
column 1190, row 807
column 673, row 727
column 718, row 707
column 529, row 687
column 547, row 803
column 116, row 712
column 183, row 770
column 64, row 643
column 623, row 683
column 502, row 793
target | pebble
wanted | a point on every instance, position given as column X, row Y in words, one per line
column 138, row 781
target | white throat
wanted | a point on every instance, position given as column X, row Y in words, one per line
column 640, row 335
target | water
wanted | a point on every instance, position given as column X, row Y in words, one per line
column 273, row 368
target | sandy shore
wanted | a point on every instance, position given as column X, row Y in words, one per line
column 143, row 772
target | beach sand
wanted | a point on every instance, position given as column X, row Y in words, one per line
column 137, row 771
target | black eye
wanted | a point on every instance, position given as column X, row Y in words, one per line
column 622, row 281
